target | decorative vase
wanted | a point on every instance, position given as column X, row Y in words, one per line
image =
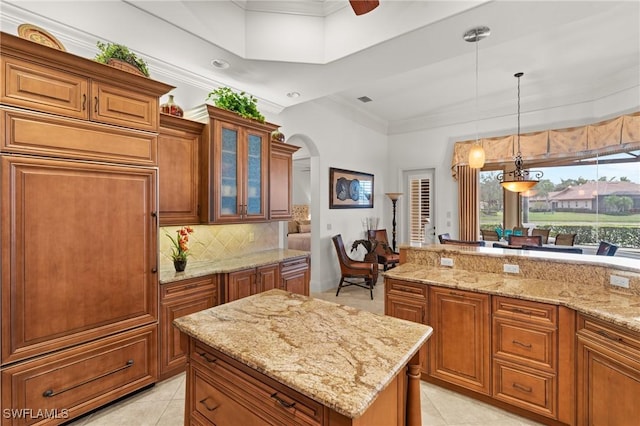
column 180, row 265
column 277, row 136
column 172, row 108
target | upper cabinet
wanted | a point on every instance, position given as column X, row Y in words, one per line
column 281, row 180
column 75, row 87
column 234, row 167
column 178, row 146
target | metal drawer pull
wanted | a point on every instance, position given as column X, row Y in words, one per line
column 84, row 101
column 521, row 311
column 610, row 337
column 282, row 402
column 203, row 402
column 207, row 358
column 95, row 106
column 522, row 387
column 524, row 345
column 50, row 393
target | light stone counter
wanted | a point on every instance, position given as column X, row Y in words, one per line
column 252, row 260
column 576, row 288
column 337, row 355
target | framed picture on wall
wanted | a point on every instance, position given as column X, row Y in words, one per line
column 349, row 189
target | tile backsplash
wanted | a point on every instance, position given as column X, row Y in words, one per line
column 211, row 242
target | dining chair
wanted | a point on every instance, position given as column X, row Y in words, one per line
column 444, row 236
column 387, row 257
column 521, row 230
column 353, row 272
column 554, row 249
column 544, row 233
column 565, row 239
column 606, row 249
column 463, row 243
column 520, row 240
column 489, row 235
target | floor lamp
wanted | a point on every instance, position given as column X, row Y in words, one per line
column 393, row 196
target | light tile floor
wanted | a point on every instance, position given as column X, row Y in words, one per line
column 163, row 404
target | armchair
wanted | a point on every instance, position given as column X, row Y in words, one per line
column 352, row 270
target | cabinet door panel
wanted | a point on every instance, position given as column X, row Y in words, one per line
column 69, row 283
column 255, row 177
column 460, row 345
column 122, row 107
column 240, row 284
column 39, row 87
column 410, row 310
column 268, row 278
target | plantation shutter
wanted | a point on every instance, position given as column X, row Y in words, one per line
column 419, row 208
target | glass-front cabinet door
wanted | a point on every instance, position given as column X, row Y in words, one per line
column 240, row 160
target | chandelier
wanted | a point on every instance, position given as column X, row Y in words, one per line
column 519, row 180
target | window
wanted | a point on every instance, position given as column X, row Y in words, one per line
column 419, row 208
column 597, row 198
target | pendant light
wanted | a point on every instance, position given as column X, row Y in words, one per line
column 519, row 178
column 476, row 154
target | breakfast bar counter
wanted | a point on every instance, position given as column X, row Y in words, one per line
column 283, row 358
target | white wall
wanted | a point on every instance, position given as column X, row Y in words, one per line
column 342, row 142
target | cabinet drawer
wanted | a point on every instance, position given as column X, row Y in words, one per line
column 294, row 264
column 47, row 135
column 266, row 395
column 524, row 310
column 122, row 107
column 406, row 289
column 208, row 284
column 217, row 407
column 528, row 343
column 85, row 377
column 623, row 339
column 526, row 388
column 42, row 88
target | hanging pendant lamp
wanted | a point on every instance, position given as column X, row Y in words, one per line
column 518, row 180
column 476, row 154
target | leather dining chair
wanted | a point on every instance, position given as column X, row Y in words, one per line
column 353, row 272
column 444, row 236
column 489, row 235
column 544, row 233
column 565, row 239
column 520, row 240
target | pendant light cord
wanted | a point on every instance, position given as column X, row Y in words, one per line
column 477, row 115
column 519, row 75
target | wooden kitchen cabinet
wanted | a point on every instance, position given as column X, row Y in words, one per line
column 250, row 281
column 608, row 374
column 525, row 354
column 460, row 349
column 69, row 282
column 408, row 301
column 281, row 180
column 178, row 299
column 235, row 167
column 95, row 94
column 178, row 147
column 295, row 275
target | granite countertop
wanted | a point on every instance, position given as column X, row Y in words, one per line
column 618, row 307
column 337, row 355
column 231, row 264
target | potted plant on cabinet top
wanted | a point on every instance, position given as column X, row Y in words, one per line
column 242, row 104
column 119, row 56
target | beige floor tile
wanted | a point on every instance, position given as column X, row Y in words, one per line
column 163, row 391
column 145, row 413
column 173, row 415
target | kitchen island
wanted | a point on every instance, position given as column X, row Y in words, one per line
column 554, row 339
column 283, row 358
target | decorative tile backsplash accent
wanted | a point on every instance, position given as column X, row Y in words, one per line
column 211, row 242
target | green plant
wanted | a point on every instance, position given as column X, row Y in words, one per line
column 244, row 105
column 118, row 51
column 180, row 250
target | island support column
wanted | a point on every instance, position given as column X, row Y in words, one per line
column 414, row 410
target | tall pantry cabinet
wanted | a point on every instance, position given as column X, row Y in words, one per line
column 78, row 221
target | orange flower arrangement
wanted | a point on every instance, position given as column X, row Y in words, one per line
column 180, row 250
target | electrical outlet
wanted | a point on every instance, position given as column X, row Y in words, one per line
column 445, row 261
column 511, row 269
column 619, row 281
column 252, row 237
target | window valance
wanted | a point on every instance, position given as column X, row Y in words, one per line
column 607, row 137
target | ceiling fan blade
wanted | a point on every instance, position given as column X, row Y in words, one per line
column 360, row 7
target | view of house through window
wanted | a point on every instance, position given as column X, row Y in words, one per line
column 597, row 199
